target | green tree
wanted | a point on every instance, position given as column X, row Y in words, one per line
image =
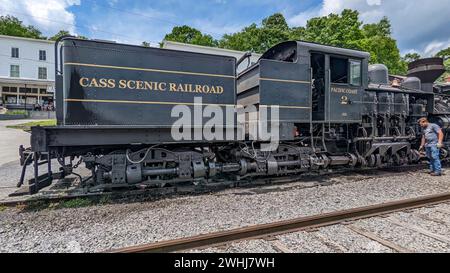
column 342, row 30
column 411, row 57
column 146, row 44
column 273, row 30
column 248, row 39
column 382, row 47
column 384, row 50
column 11, row 26
column 447, row 73
column 189, row 35
column 297, row 33
column 346, row 30
column 382, row 28
column 445, row 53
column 64, row 33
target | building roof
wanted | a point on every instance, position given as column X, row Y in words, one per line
column 221, row 50
column 27, row 39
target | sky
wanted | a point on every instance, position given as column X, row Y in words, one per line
column 418, row 26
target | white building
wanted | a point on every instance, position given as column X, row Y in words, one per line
column 213, row 50
column 26, row 72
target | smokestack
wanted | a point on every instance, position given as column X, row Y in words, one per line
column 427, row 70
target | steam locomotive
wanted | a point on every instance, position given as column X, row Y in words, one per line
column 117, row 105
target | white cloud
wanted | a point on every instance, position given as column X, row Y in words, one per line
column 49, row 16
column 424, row 25
column 435, row 46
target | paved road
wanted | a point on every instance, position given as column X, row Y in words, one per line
column 11, row 139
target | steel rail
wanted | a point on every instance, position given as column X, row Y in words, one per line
column 260, row 231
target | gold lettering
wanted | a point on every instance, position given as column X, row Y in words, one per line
column 93, row 83
column 122, row 84
column 166, row 86
column 173, row 87
column 103, row 83
column 139, row 85
column 131, row 84
column 82, row 82
column 111, row 83
column 205, row 89
column 148, row 85
column 162, row 86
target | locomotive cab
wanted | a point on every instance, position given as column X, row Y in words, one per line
column 311, row 83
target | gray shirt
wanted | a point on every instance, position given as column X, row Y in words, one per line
column 431, row 134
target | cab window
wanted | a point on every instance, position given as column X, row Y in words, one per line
column 345, row 71
column 355, row 73
column 339, row 70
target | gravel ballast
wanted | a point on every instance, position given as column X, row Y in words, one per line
column 99, row 228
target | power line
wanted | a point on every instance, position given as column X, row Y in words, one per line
column 75, row 25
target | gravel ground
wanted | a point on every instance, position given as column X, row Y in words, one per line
column 99, row 228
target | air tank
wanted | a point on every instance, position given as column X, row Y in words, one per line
column 378, row 74
column 412, row 83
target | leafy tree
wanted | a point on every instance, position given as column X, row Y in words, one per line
column 11, row 26
column 382, row 28
column 146, row 44
column 382, row 47
column 297, row 33
column 411, row 57
column 63, row 33
column 346, row 30
column 272, row 31
column 445, row 53
column 447, row 73
column 405, row 60
column 189, row 35
column 342, row 30
column 384, row 50
column 248, row 39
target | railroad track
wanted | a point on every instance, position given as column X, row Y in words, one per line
column 156, row 193
column 283, row 227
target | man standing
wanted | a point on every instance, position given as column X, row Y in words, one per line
column 432, row 138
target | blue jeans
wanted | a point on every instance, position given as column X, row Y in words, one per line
column 433, row 157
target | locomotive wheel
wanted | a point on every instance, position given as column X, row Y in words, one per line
column 397, row 159
column 413, row 156
column 372, row 160
column 379, row 161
